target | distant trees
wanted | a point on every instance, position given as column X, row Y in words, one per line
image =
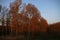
column 54, row 27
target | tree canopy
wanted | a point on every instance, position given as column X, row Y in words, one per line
column 22, row 17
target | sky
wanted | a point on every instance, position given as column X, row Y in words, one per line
column 49, row 9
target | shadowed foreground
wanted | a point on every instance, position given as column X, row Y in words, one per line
column 33, row 36
column 50, row 34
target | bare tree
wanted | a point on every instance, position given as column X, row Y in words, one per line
column 0, row 12
column 4, row 18
column 0, row 7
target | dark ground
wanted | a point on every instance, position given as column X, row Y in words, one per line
column 31, row 36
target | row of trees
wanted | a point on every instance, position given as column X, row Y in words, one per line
column 22, row 18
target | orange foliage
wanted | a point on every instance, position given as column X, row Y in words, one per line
column 55, row 27
column 27, row 20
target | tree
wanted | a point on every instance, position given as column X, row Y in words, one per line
column 33, row 16
column 44, row 25
column 14, row 7
column 28, row 19
column 0, row 7
column 5, row 19
column 0, row 12
column 37, row 22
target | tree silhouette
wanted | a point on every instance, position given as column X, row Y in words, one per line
column 0, row 7
column 4, row 15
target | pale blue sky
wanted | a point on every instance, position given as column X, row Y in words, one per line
column 50, row 9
